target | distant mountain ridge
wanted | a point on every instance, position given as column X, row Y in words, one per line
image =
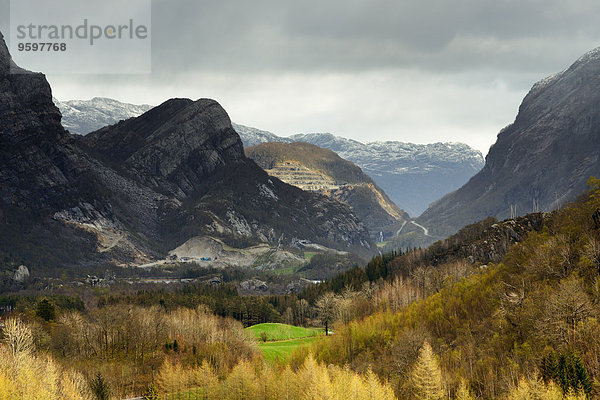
column 313, row 168
column 413, row 175
column 252, row 136
column 540, row 161
column 84, row 116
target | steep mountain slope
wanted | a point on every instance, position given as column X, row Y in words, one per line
column 312, row 168
column 84, row 116
column 541, row 160
column 521, row 291
column 41, row 175
column 129, row 193
column 188, row 152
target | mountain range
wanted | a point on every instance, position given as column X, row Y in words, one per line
column 413, row 175
column 539, row 162
column 131, row 192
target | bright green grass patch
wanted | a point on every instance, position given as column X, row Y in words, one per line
column 308, row 255
column 282, row 331
column 282, row 350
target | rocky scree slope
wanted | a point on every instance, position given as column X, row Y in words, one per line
column 540, row 161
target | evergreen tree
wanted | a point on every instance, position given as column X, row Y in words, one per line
column 567, row 371
column 151, row 393
column 582, row 378
column 100, row 388
column 45, row 310
column 549, row 367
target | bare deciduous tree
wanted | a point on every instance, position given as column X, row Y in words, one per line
column 18, row 336
column 327, row 310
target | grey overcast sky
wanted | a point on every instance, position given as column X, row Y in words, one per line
column 415, row 71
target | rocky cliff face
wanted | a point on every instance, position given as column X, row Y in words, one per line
column 312, row 168
column 187, row 152
column 41, row 173
column 541, row 160
column 131, row 192
column 171, row 148
column 413, row 175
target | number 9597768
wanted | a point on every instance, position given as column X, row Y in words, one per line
column 42, row 47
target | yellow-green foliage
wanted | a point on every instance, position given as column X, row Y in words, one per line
column 534, row 389
column 312, row 381
column 493, row 326
column 463, row 392
column 24, row 375
column 426, row 376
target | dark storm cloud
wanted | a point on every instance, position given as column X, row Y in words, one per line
column 358, row 35
column 365, row 34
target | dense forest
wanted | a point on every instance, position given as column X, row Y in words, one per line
column 501, row 310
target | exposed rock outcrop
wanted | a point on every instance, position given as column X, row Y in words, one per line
column 413, row 175
column 21, row 274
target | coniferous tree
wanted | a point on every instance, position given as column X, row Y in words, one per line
column 426, row 376
column 582, row 378
column 567, row 371
column 45, row 310
column 100, row 388
column 549, row 367
column 151, row 393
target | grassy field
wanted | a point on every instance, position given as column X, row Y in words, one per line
column 282, row 331
column 308, row 255
column 281, row 350
column 282, row 339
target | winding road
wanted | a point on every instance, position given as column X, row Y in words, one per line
column 425, row 230
column 400, row 230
